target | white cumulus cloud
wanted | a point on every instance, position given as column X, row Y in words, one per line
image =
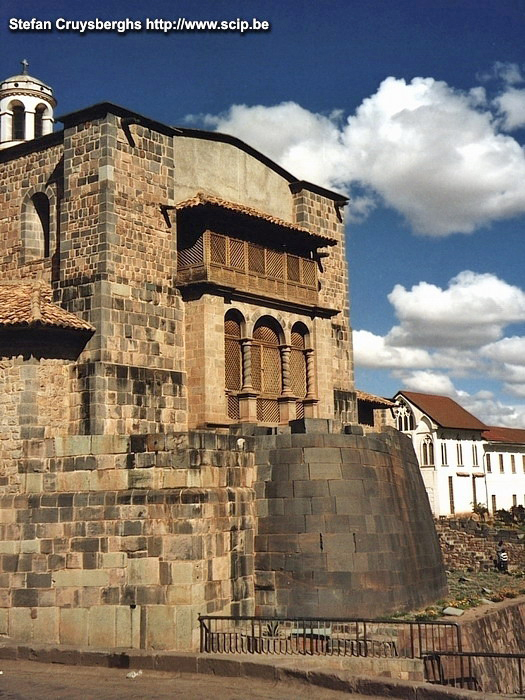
column 508, row 350
column 471, row 312
column 511, row 104
column 370, row 350
column 435, row 154
column 427, row 382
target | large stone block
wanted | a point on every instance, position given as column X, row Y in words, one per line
column 143, row 571
column 74, row 626
column 46, row 625
column 160, row 627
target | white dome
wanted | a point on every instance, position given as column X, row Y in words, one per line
column 26, row 108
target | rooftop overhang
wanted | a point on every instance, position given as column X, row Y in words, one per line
column 209, row 212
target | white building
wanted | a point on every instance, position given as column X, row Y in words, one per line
column 462, row 460
column 26, row 109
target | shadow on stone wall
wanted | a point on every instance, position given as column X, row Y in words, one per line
column 345, row 527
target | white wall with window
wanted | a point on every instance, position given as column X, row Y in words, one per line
column 466, row 464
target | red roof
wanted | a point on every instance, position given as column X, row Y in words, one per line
column 27, row 302
column 497, row 434
column 372, row 398
column 202, row 199
column 444, row 411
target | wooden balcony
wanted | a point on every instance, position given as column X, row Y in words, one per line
column 249, row 267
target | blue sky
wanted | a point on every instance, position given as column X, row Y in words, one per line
column 415, row 109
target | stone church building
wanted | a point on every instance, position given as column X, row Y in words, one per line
column 177, row 408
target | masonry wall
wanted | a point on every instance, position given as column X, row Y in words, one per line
column 228, row 172
column 117, row 270
column 34, row 405
column 323, row 216
column 466, row 544
column 345, row 529
column 126, row 540
column 41, row 170
column 500, row 629
column 205, row 360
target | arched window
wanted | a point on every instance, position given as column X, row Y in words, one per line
column 404, row 418
column 19, row 118
column 233, row 361
column 298, row 377
column 266, row 368
column 36, row 227
column 39, row 120
column 427, row 452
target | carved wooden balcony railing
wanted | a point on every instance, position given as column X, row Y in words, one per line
column 249, row 267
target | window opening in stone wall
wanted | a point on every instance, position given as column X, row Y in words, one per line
column 494, row 506
column 459, row 454
column 39, row 120
column 513, row 464
column 36, row 227
column 475, row 455
column 514, row 500
column 444, row 460
column 266, row 369
column 489, row 465
column 474, row 492
column 19, row 118
column 451, row 494
column 344, row 406
column 298, row 374
column 501, row 465
column 232, row 362
column 428, row 452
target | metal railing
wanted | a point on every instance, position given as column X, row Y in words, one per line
column 327, row 636
column 473, row 670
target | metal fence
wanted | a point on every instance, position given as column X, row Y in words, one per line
column 489, row 672
column 327, row 637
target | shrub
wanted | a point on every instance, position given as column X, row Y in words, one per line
column 504, row 516
column 480, row 509
column 518, row 514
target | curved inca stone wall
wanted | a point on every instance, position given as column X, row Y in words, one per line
column 345, row 527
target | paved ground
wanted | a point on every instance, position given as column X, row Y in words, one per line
column 27, row 680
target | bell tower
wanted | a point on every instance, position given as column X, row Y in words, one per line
column 26, row 108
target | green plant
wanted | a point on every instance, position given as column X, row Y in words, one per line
column 504, row 516
column 518, row 514
column 480, row 509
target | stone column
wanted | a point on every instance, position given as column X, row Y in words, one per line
column 310, row 373
column 5, row 126
column 47, row 125
column 310, row 400
column 287, row 401
column 29, row 125
column 246, row 351
column 248, row 395
column 285, row 365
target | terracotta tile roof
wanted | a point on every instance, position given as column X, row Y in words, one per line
column 444, row 411
column 201, row 199
column 28, row 303
column 371, row 398
column 497, row 434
